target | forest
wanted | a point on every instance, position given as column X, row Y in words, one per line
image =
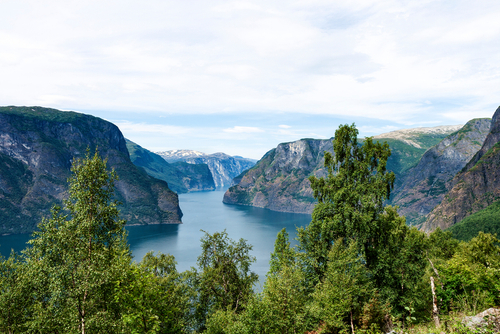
column 357, row 268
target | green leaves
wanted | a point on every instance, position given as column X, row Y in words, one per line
column 75, row 256
column 350, row 198
column 225, row 281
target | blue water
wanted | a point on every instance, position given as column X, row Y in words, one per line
column 202, row 211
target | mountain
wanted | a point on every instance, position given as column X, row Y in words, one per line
column 181, row 177
column 37, row 146
column 279, row 181
column 222, row 166
column 426, row 183
column 475, row 187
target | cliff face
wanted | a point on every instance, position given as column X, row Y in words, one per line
column 475, row 187
column 426, row 183
column 224, row 168
column 280, row 182
column 37, row 146
column 180, row 176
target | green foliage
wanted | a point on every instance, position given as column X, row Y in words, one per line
column 338, row 300
column 486, row 220
column 350, row 198
column 45, row 114
column 283, row 255
column 442, row 244
column 74, row 258
column 357, row 266
column 471, row 277
column 225, row 281
column 152, row 296
column 14, row 297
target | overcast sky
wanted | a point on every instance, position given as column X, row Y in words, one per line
column 242, row 76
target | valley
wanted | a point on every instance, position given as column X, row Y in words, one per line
column 435, row 168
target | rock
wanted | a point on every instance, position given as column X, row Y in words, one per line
column 426, row 183
column 488, row 320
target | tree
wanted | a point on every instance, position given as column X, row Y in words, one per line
column 225, row 281
column 152, row 296
column 350, row 198
column 282, row 306
column 14, row 298
column 283, row 254
column 339, row 298
column 76, row 256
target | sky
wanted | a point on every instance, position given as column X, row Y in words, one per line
column 240, row 77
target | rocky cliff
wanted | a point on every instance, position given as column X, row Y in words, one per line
column 425, row 184
column 280, row 181
column 37, row 146
column 475, row 187
column 222, row 166
column 181, row 177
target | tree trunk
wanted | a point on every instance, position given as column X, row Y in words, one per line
column 435, row 314
column 352, row 325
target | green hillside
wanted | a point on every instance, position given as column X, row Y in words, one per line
column 486, row 220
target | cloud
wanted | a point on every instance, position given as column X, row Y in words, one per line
column 283, row 126
column 356, row 59
column 131, row 128
column 243, row 129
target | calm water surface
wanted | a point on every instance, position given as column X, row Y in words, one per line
column 202, row 211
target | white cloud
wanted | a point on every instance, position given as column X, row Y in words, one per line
column 283, row 126
column 130, row 128
column 354, row 59
column 243, row 129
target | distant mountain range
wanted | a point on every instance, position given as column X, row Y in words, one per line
column 181, row 177
column 224, row 168
column 443, row 174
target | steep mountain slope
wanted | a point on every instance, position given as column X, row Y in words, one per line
column 408, row 146
column 426, row 183
column 37, row 146
column 475, row 187
column 280, row 182
column 180, row 176
column 222, row 166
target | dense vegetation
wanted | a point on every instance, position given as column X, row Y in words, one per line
column 358, row 267
column 486, row 220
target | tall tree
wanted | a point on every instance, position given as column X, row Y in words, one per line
column 225, row 281
column 350, row 198
column 76, row 256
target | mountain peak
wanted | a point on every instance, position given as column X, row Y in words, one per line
column 410, row 136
